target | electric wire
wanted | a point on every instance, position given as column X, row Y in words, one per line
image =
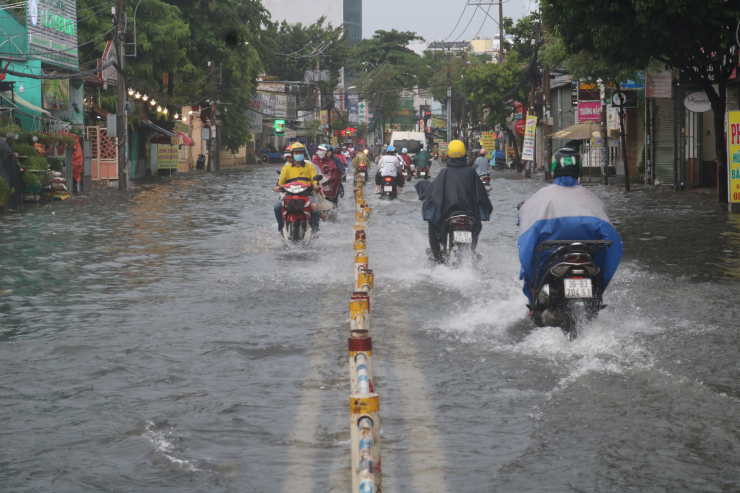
column 466, row 27
column 457, row 24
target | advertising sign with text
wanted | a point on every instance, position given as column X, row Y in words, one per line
column 733, row 159
column 589, row 111
column 529, row 138
column 52, row 31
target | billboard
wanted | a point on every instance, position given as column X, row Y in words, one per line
column 733, row 159
column 529, row 136
column 52, row 32
column 55, row 94
column 589, row 111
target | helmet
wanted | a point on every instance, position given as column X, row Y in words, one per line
column 297, row 147
column 566, row 161
column 390, row 149
column 329, row 147
column 404, row 150
column 456, row 149
column 324, row 147
column 482, row 152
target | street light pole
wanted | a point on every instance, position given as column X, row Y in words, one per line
column 449, row 94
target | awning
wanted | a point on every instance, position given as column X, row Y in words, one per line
column 186, row 141
column 20, row 101
column 159, row 129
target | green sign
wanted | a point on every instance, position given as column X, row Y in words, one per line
column 279, row 127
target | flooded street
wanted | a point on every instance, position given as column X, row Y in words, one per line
column 166, row 339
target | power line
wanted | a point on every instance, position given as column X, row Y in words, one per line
column 466, row 27
column 458, row 23
column 484, row 22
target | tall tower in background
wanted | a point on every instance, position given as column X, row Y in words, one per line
column 353, row 21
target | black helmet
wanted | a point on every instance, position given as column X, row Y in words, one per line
column 566, row 161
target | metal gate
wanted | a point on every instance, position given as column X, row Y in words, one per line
column 691, row 156
column 103, row 155
column 663, row 119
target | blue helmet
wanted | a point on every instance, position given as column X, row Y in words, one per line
column 329, row 147
column 390, row 149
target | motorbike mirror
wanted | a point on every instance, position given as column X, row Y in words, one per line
column 278, row 172
column 318, row 177
column 519, row 205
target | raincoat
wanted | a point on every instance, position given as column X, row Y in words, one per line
column 565, row 211
column 422, row 159
column 331, row 173
column 361, row 158
column 457, row 188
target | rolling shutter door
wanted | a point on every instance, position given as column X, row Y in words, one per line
column 663, row 141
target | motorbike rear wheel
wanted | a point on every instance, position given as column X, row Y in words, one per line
column 296, row 231
column 264, row 158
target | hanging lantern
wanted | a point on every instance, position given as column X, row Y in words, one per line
column 166, row 111
column 145, row 97
column 130, row 92
column 138, row 95
column 159, row 109
column 152, row 102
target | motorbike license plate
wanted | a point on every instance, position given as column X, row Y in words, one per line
column 463, row 237
column 578, row 288
column 423, row 173
column 388, row 188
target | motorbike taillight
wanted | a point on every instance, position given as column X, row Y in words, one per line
column 462, row 223
column 388, row 179
column 578, row 258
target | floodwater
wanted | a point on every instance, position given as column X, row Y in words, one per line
column 166, row 339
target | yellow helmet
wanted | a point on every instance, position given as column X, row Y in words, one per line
column 456, row 149
column 297, row 147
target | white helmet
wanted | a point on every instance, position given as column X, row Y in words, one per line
column 404, row 150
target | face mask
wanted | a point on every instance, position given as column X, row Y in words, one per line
column 298, row 157
column 321, row 154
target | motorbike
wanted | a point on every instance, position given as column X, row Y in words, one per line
column 459, row 234
column 423, row 173
column 569, row 285
column 501, row 164
column 267, row 155
column 362, row 170
column 486, row 179
column 388, row 187
column 201, row 162
column 296, row 211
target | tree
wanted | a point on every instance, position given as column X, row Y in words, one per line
column 697, row 38
column 494, row 87
column 387, row 67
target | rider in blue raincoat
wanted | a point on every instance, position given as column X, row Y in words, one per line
column 565, row 211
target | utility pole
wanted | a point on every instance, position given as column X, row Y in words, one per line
column 501, row 32
column 604, row 136
column 449, row 95
column 121, row 100
column 318, row 87
column 546, row 124
column 532, row 91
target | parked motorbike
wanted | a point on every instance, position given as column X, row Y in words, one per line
column 388, row 187
column 486, row 179
column 501, row 164
column 201, row 162
column 569, row 285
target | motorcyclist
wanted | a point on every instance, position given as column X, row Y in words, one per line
column 457, row 188
column 298, row 171
column 422, row 160
column 360, row 158
column 406, row 159
column 338, row 158
column 481, row 164
column 565, row 211
column 389, row 165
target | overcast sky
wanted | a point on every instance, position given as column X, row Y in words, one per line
column 434, row 19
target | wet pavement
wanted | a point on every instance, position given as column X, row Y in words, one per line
column 167, row 339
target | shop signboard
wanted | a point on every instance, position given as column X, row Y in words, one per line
column 167, row 156
column 733, row 158
column 589, row 111
column 698, row 102
column 281, row 106
column 659, row 85
column 52, row 32
column 292, row 113
column 520, row 127
column 438, row 122
column 529, row 138
column 363, row 113
column 488, row 141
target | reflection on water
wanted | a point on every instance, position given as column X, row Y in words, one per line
column 730, row 263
